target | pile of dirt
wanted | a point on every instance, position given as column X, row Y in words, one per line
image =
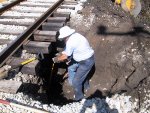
column 144, row 16
column 121, row 43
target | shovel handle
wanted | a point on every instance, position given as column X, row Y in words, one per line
column 28, row 61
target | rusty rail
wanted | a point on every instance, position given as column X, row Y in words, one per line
column 16, row 44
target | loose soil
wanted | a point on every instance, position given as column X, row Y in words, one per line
column 122, row 51
column 122, row 45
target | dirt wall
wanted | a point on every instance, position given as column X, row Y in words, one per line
column 121, row 43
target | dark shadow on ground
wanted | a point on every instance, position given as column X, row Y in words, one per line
column 29, row 88
column 97, row 100
column 55, row 91
column 102, row 30
column 34, row 91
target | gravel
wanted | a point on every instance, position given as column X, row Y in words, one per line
column 2, row 47
column 35, row 3
column 12, row 27
column 23, row 8
column 42, row 0
column 9, row 37
column 15, row 13
column 118, row 103
column 27, row 55
column 25, row 20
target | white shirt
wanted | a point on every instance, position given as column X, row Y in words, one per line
column 79, row 46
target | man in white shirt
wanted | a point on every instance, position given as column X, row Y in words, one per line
column 77, row 47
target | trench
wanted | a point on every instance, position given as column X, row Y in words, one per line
column 54, row 76
column 49, row 86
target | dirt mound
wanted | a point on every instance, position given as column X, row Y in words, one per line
column 121, row 44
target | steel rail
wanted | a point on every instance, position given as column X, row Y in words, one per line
column 7, row 7
column 17, row 43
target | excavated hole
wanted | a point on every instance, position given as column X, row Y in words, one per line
column 47, row 86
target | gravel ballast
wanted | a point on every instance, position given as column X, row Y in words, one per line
column 117, row 103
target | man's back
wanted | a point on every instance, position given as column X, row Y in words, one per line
column 79, row 46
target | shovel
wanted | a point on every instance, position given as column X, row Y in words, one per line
column 4, row 73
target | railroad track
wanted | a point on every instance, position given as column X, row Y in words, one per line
column 31, row 25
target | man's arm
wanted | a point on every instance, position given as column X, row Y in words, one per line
column 62, row 57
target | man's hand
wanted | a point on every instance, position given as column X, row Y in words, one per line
column 60, row 58
column 55, row 60
column 58, row 54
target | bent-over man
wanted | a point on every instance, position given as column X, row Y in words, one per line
column 77, row 47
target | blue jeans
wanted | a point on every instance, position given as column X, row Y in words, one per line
column 71, row 71
column 77, row 77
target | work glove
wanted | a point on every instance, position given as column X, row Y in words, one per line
column 55, row 60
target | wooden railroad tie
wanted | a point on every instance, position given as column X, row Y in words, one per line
column 4, row 41
column 45, row 36
column 12, row 32
column 67, row 7
column 9, row 86
column 28, row 11
column 57, row 19
column 35, row 47
column 16, row 23
column 51, row 26
column 62, row 14
column 31, row 68
column 70, row 2
column 17, row 17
